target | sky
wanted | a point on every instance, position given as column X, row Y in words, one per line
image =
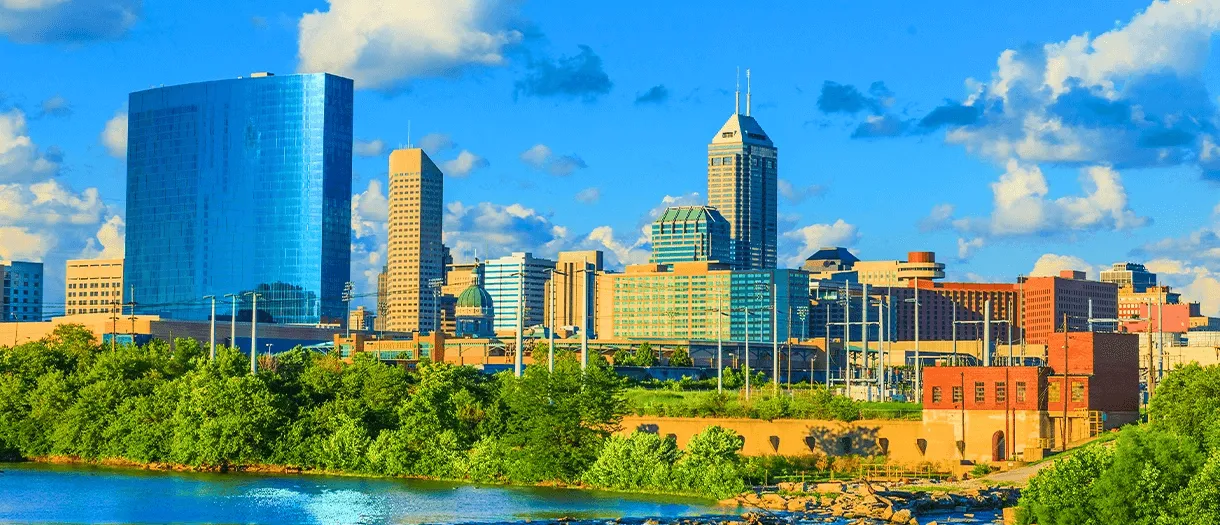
column 1023, row 138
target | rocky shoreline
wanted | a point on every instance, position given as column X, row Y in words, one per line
column 876, row 503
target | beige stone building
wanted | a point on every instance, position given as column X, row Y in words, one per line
column 565, row 290
column 415, row 254
column 93, row 286
column 360, row 319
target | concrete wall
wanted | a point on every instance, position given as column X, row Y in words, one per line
column 934, row 440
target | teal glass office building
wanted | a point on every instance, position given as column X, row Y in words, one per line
column 236, row 186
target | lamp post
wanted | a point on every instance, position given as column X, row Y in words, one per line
column 584, row 316
column 254, row 332
column 550, row 354
column 801, row 312
column 212, row 329
column 233, row 321
column 517, row 357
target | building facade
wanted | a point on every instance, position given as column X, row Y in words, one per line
column 1130, row 301
column 474, row 309
column 415, row 254
column 383, row 299
column 742, row 167
column 509, row 278
column 571, row 288
column 22, row 291
column 1050, row 301
column 361, row 319
column 653, row 301
column 690, row 233
column 238, row 186
column 1132, row 275
column 93, row 286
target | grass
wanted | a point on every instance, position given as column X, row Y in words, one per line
column 764, row 404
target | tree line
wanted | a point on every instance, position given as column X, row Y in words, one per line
column 165, row 403
column 1160, row 473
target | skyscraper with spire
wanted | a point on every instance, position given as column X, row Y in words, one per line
column 741, row 184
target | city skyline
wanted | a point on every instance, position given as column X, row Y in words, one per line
column 995, row 198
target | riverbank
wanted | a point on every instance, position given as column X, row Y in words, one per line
column 877, row 501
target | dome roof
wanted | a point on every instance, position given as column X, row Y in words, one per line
column 474, row 296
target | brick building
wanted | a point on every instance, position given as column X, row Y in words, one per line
column 1049, row 299
column 1023, row 409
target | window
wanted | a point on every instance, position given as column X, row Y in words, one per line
column 1001, row 392
column 1052, row 392
column 980, row 392
column 1077, row 392
column 957, row 394
column 936, row 394
column 1020, row 391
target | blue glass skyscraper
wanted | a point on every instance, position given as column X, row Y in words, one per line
column 241, row 185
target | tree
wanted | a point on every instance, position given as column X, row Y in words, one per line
column 680, row 357
column 645, row 355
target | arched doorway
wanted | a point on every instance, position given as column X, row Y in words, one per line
column 998, row 447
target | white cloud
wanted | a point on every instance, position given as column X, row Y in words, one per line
column 623, row 254
column 21, row 244
column 385, row 44
column 807, row 239
column 370, row 148
column 1196, row 282
column 589, row 195
column 796, row 195
column 1022, row 207
column 20, row 158
column 465, row 163
column 42, row 21
column 493, row 230
column 56, row 106
column 370, row 213
column 109, row 241
column 1051, row 264
column 434, row 143
column 114, row 135
column 967, row 247
column 536, row 156
column 540, row 157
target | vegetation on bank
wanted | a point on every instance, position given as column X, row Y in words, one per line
column 1163, row 472
column 799, row 403
column 162, row 403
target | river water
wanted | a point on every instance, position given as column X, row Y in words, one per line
column 85, row 494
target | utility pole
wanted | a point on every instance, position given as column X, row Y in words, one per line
column 254, row 332
column 114, row 324
column 212, row 329
column 747, row 311
column 517, row 358
column 720, row 344
column 1066, row 395
column 550, row 354
column 584, row 318
column 775, row 336
column 233, row 321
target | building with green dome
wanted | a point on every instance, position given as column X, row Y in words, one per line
column 474, row 314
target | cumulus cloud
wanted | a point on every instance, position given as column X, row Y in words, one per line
column 48, row 221
column 967, row 247
column 382, row 45
column 541, row 157
column 67, row 21
column 434, row 143
column 368, row 148
column 1051, row 264
column 657, row 94
column 1130, row 97
column 493, row 230
column 580, row 76
column 589, row 195
column 844, row 98
column 802, row 241
column 465, row 163
column 797, row 195
column 370, row 213
column 20, row 158
column 109, row 241
column 1196, row 282
column 114, row 135
column 56, row 106
column 1021, row 206
column 623, row 254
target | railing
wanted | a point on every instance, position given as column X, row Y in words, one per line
column 891, row 472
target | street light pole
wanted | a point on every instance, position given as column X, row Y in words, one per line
column 584, row 317
column 254, row 332
column 347, row 307
column 517, row 357
column 550, row 355
column 747, row 311
column 775, row 336
column 719, row 344
column 212, row 331
column 233, row 321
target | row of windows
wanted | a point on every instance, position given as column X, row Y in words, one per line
column 104, row 284
column 1000, row 388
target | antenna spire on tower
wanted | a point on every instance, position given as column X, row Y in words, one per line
column 409, row 146
column 737, row 94
column 747, row 92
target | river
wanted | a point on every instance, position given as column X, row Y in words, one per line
column 86, row 494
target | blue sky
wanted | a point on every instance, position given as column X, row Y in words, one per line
column 1021, row 137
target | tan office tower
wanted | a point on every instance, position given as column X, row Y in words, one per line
column 93, row 286
column 415, row 252
column 741, row 184
column 569, row 287
column 383, row 299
